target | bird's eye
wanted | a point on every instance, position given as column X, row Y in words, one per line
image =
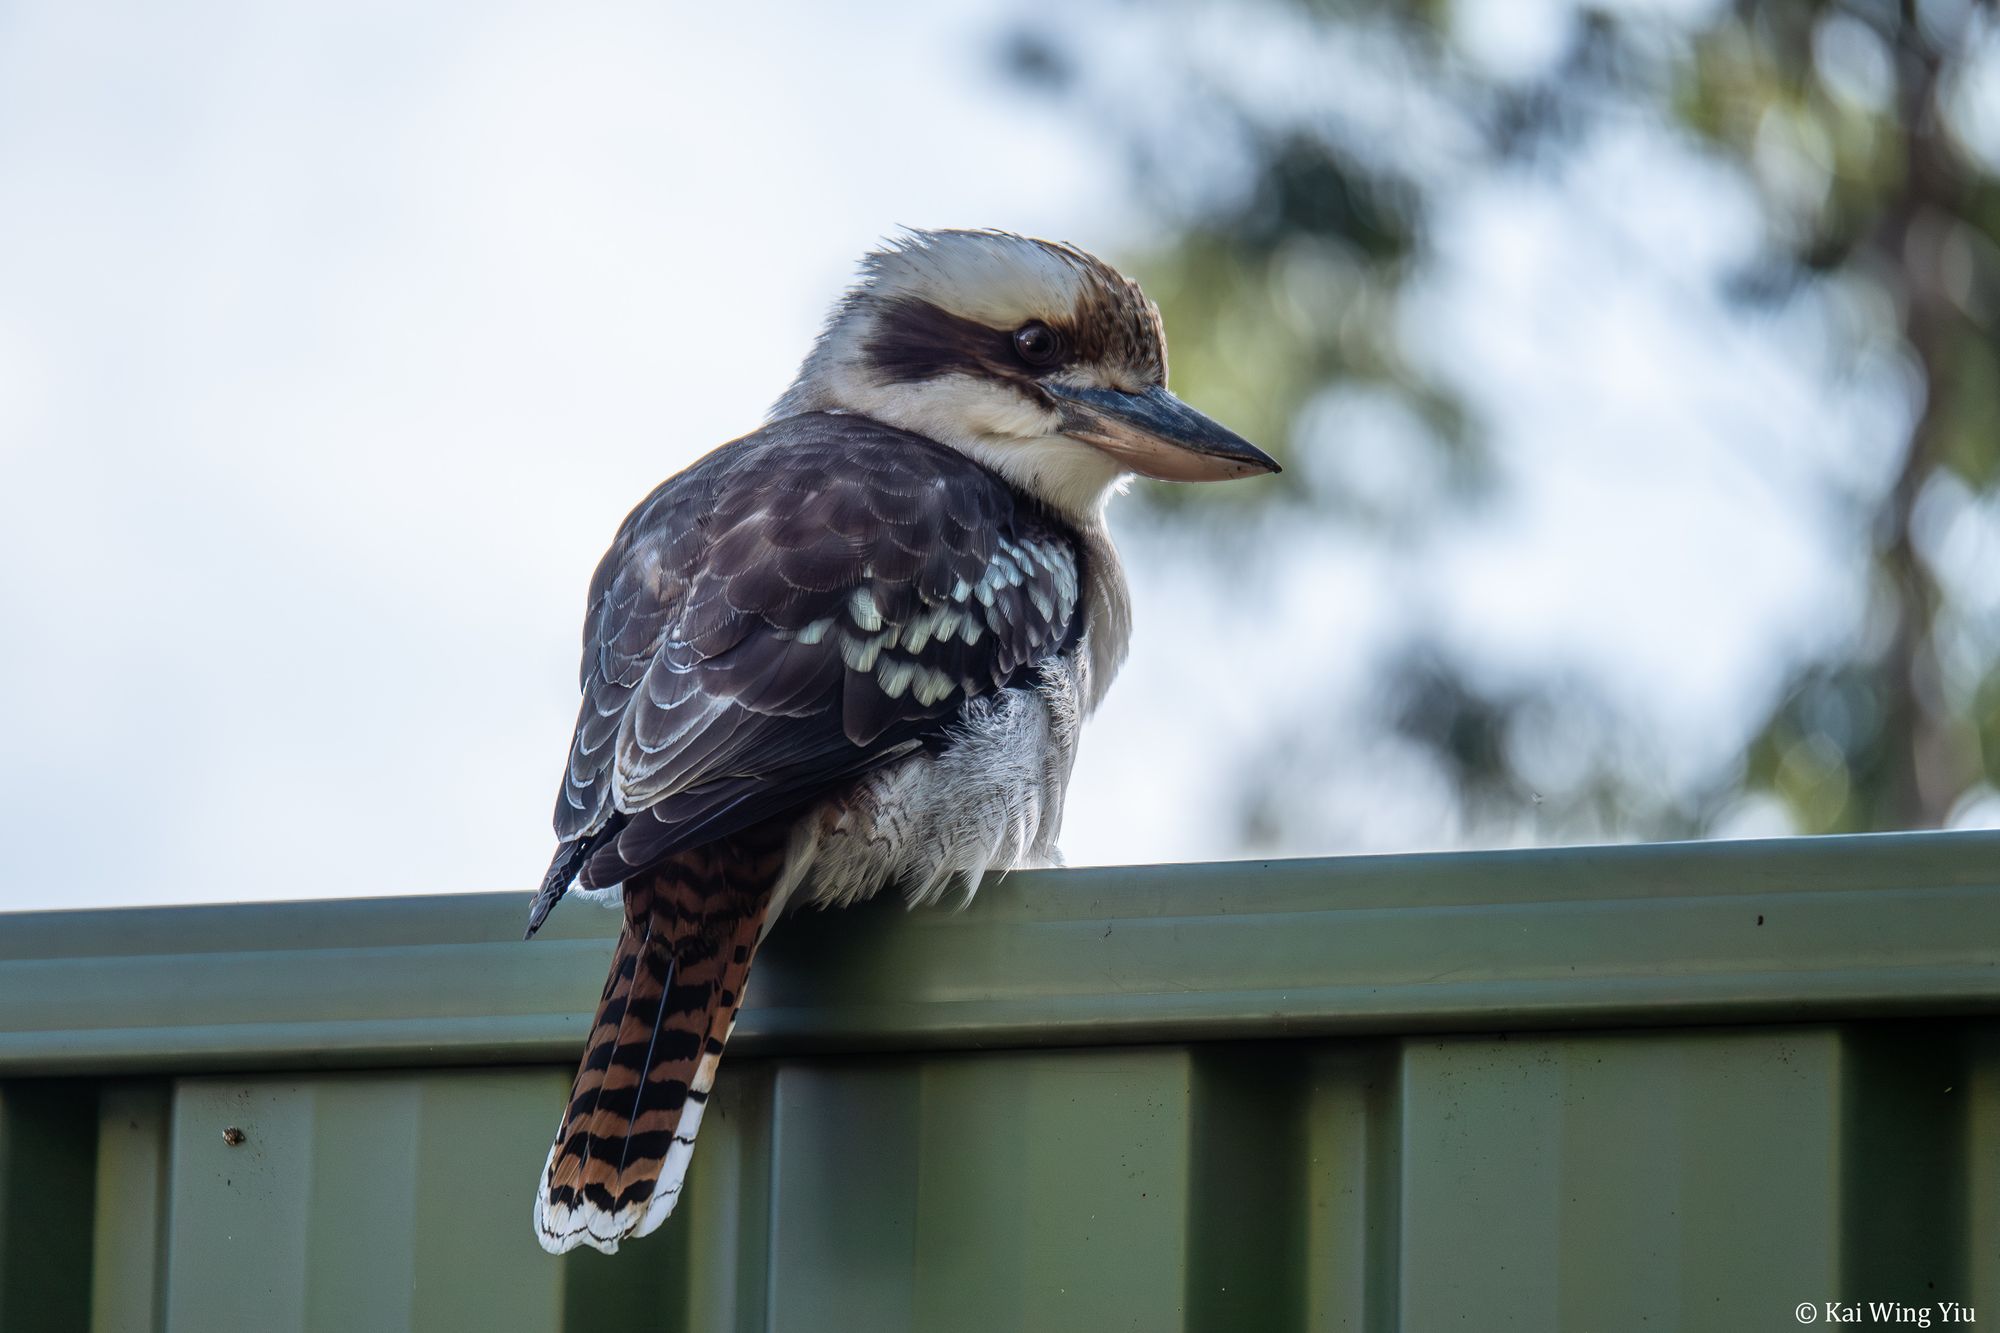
column 1037, row 344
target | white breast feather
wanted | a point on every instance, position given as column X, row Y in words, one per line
column 990, row 799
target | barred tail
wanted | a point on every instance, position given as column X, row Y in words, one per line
column 677, row 976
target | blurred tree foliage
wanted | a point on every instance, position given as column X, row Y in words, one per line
column 1298, row 227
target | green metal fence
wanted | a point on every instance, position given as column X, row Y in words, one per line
column 1685, row 1087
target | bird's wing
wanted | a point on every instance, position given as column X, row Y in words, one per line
column 797, row 608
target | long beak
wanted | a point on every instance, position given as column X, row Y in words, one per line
column 1158, row 435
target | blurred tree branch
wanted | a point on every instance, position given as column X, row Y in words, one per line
column 1298, row 228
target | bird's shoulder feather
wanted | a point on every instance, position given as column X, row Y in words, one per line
column 793, row 609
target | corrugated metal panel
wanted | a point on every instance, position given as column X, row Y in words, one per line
column 1679, row 1088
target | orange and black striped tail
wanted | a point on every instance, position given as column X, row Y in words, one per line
column 691, row 929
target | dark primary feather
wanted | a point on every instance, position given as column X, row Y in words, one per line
column 798, row 607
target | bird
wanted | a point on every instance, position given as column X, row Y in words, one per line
column 848, row 652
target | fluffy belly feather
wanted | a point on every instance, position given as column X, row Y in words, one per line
column 990, row 799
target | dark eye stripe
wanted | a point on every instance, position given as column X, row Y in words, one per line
column 915, row 340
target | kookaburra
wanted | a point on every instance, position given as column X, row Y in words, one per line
column 847, row 652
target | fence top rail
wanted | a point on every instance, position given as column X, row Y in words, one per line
column 1786, row 930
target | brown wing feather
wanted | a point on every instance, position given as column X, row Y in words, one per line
column 805, row 604
column 677, row 978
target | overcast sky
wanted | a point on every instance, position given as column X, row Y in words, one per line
column 336, row 339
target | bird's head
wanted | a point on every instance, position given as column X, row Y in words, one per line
column 1038, row 360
